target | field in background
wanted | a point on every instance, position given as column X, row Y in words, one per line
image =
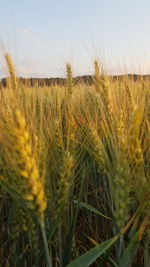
column 75, row 173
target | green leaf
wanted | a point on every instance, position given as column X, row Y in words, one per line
column 91, row 208
column 89, row 257
column 129, row 253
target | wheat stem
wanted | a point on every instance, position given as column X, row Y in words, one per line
column 47, row 252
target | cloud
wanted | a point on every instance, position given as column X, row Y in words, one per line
column 32, row 35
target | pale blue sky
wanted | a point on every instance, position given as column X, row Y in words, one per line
column 43, row 34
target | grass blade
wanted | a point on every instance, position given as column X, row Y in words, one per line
column 89, row 257
column 91, row 208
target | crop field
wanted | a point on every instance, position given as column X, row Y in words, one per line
column 75, row 172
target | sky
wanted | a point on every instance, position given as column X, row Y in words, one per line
column 42, row 35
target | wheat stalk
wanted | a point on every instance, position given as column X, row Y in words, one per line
column 13, row 77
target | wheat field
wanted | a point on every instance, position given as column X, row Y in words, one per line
column 75, row 172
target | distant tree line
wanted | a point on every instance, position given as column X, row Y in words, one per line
column 86, row 79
